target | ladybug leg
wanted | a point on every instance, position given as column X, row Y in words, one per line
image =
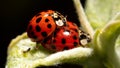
column 37, row 45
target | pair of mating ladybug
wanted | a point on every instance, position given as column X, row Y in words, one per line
column 54, row 32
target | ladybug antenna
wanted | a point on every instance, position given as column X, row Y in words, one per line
column 65, row 20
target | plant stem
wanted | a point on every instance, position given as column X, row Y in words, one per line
column 82, row 18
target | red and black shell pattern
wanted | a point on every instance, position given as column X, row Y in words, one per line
column 44, row 24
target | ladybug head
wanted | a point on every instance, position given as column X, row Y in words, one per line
column 84, row 38
column 59, row 19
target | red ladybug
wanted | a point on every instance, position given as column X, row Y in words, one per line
column 64, row 38
column 44, row 24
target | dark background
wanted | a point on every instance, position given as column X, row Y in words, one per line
column 15, row 16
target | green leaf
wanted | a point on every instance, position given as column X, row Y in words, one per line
column 104, row 44
column 22, row 53
column 100, row 12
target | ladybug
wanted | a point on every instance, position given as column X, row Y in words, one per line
column 44, row 24
column 66, row 39
column 63, row 38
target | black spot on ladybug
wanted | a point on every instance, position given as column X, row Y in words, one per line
column 66, row 48
column 44, row 41
column 53, row 47
column 38, row 14
column 58, row 29
column 38, row 29
column 55, row 33
column 44, row 34
column 75, row 43
column 82, row 36
column 49, row 25
column 63, row 41
column 75, row 30
column 46, row 20
column 30, row 27
column 38, row 20
column 33, row 35
column 74, row 37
